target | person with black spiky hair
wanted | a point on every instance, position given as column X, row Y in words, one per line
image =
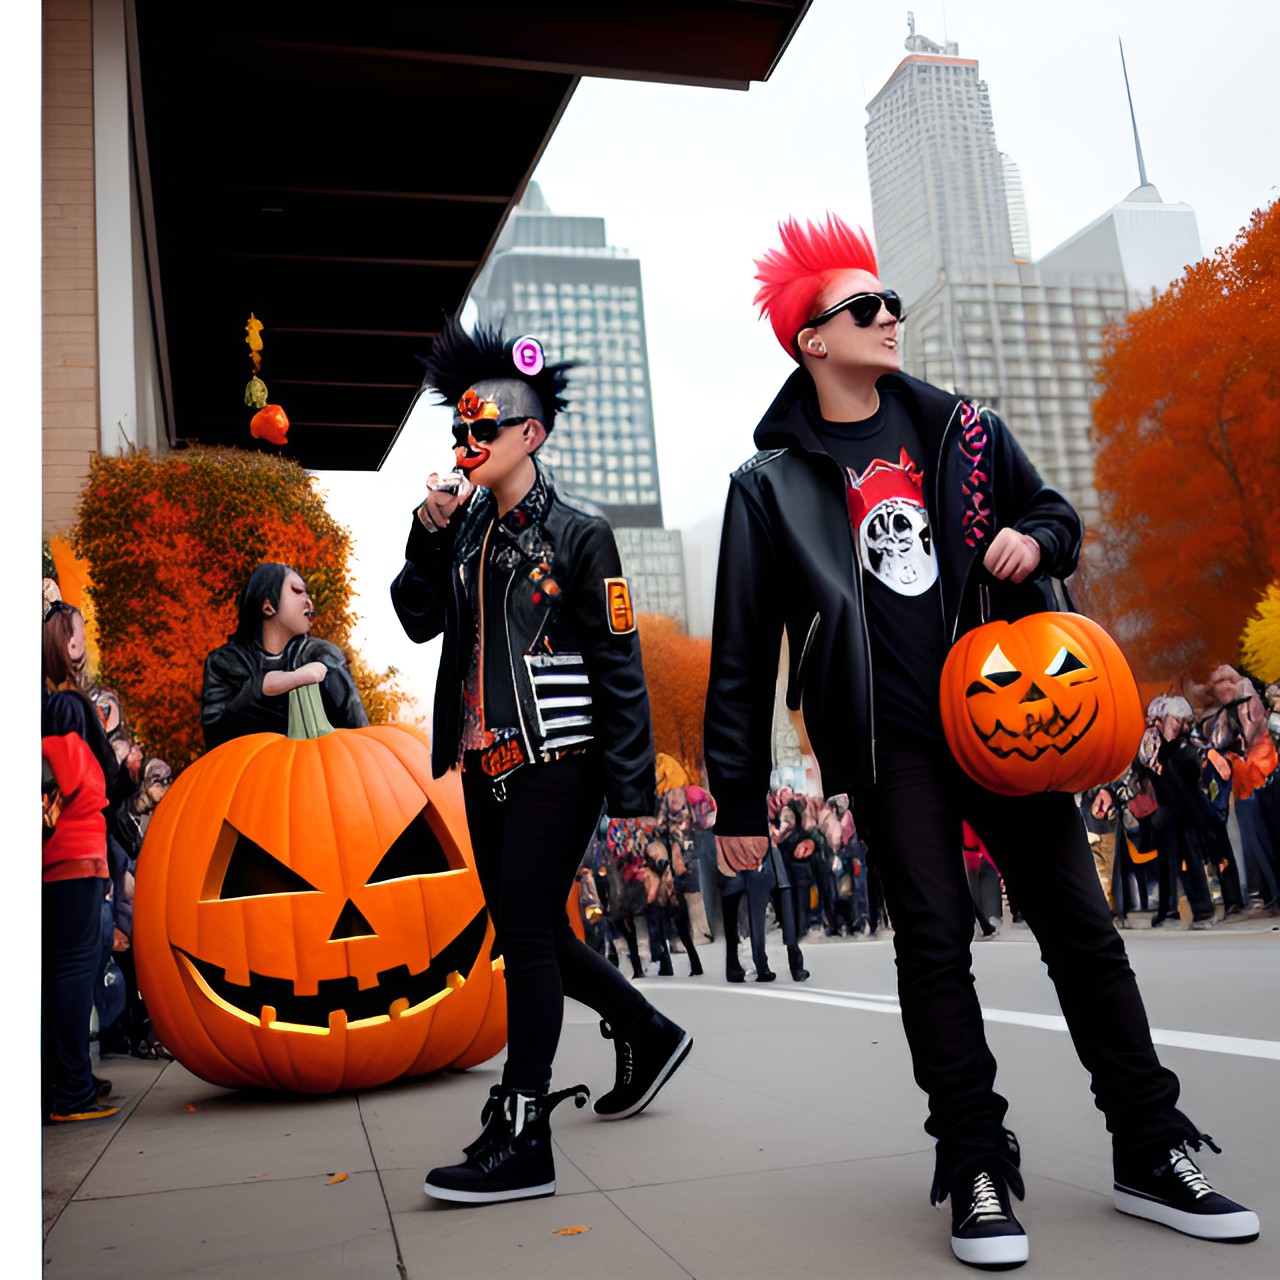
column 541, row 701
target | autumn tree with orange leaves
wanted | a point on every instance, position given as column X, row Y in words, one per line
column 170, row 543
column 1188, row 462
column 677, row 668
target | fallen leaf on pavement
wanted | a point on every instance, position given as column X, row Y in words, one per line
column 570, row 1231
column 337, row 1177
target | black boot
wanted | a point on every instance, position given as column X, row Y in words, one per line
column 511, row 1159
column 646, row 1056
column 733, row 970
column 796, row 962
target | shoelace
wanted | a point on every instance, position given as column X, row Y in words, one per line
column 986, row 1206
column 625, row 1051
column 1189, row 1174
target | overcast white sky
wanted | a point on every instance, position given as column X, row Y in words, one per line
column 694, row 182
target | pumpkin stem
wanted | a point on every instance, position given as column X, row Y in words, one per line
column 306, row 713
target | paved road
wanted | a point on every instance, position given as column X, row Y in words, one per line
column 788, row 1146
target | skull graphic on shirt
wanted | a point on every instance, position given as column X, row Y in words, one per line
column 891, row 525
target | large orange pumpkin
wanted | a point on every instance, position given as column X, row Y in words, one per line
column 1046, row 703
column 308, row 918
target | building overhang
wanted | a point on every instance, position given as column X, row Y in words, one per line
column 343, row 175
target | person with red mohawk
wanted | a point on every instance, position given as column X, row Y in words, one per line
column 885, row 504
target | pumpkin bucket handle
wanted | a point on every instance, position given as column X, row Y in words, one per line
column 306, row 713
column 1057, row 589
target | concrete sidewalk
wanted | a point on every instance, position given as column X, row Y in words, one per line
column 789, row 1145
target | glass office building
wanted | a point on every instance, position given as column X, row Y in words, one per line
column 556, row 277
column 952, row 237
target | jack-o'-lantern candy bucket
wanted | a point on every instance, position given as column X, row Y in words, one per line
column 307, row 915
column 1047, row 703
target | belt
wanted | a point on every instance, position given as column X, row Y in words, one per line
column 503, row 758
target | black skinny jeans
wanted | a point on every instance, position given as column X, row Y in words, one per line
column 911, row 821
column 527, row 849
column 71, row 963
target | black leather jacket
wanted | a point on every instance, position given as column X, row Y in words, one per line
column 543, row 634
column 787, row 560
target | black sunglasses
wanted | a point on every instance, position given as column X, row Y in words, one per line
column 864, row 307
column 482, row 430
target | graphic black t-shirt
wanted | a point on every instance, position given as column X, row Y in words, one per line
column 884, row 483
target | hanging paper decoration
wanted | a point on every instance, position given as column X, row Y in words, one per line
column 271, row 422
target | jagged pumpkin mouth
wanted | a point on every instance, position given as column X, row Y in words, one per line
column 1037, row 736
column 339, row 1003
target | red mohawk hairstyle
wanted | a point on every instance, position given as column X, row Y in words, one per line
column 791, row 278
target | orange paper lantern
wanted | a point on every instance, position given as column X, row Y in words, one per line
column 270, row 423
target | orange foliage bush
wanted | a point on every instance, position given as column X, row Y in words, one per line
column 677, row 669
column 170, row 543
column 1188, row 461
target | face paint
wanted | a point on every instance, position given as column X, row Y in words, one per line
column 483, row 410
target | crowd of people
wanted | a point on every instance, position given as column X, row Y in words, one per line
column 1197, row 813
column 98, row 793
column 662, row 876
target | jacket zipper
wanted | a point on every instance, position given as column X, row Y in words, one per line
column 866, row 634
column 866, row 649
column 937, row 489
column 526, row 744
column 484, row 559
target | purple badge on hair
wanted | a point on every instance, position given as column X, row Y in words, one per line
column 526, row 355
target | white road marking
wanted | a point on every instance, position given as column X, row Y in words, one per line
column 868, row 1002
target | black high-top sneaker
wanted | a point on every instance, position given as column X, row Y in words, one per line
column 1169, row 1188
column 984, row 1231
column 512, row 1158
column 646, row 1056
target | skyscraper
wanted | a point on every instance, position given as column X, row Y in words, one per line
column 1019, row 227
column 558, row 278
column 952, row 237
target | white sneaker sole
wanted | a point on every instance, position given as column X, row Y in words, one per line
column 681, row 1052
column 488, row 1197
column 995, row 1252
column 1230, row 1228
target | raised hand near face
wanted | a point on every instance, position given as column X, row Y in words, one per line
column 445, row 494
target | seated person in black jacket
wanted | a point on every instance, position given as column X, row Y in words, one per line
column 247, row 680
column 541, row 700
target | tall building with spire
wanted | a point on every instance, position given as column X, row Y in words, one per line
column 953, row 238
column 557, row 277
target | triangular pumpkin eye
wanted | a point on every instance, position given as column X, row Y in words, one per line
column 416, row 852
column 998, row 669
column 253, row 873
column 1064, row 662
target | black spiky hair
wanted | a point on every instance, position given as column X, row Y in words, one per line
column 459, row 360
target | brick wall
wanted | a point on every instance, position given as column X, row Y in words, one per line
column 70, row 332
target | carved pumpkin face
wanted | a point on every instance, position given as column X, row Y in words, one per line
column 307, row 916
column 1043, row 704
